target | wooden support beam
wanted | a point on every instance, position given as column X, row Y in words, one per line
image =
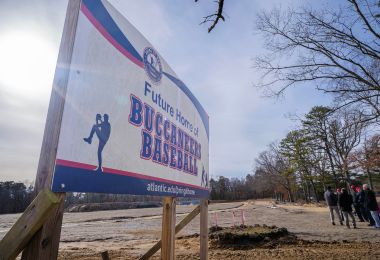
column 204, row 230
column 189, row 217
column 28, row 224
column 168, row 228
column 44, row 244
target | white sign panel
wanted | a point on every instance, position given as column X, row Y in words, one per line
column 129, row 124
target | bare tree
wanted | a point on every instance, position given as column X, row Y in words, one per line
column 277, row 169
column 336, row 50
column 367, row 158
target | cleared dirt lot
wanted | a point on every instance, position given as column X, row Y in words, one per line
column 126, row 234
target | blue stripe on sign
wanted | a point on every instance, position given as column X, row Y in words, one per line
column 72, row 179
column 101, row 14
column 193, row 99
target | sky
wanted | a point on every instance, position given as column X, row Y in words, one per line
column 216, row 66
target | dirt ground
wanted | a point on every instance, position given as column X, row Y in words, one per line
column 127, row 234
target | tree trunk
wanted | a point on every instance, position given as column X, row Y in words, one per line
column 315, row 191
column 370, row 179
column 291, row 199
column 332, row 165
column 305, row 192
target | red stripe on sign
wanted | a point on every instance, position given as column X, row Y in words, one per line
column 120, row 172
column 75, row 164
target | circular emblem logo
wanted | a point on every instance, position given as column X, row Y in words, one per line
column 152, row 65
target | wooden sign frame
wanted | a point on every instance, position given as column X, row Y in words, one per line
column 41, row 239
column 44, row 244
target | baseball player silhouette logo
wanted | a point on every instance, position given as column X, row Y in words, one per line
column 102, row 129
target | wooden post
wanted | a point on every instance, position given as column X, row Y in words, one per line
column 105, row 255
column 204, row 230
column 28, row 224
column 44, row 244
column 189, row 217
column 168, row 228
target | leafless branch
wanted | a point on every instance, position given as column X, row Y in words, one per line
column 214, row 18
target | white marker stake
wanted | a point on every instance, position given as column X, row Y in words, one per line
column 242, row 217
column 233, row 218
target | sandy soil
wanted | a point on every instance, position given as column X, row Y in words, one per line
column 126, row 234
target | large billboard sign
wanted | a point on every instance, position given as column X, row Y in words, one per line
column 129, row 124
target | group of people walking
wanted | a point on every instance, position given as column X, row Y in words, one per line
column 364, row 201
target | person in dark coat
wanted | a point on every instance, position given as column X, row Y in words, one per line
column 345, row 202
column 338, row 192
column 371, row 204
column 332, row 202
column 363, row 209
column 355, row 193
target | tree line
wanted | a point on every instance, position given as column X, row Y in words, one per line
column 327, row 149
column 14, row 197
column 250, row 187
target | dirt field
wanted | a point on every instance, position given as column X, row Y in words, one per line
column 126, row 234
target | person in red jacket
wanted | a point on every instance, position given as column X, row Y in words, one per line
column 355, row 194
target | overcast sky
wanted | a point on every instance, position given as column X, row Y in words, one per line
column 217, row 67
